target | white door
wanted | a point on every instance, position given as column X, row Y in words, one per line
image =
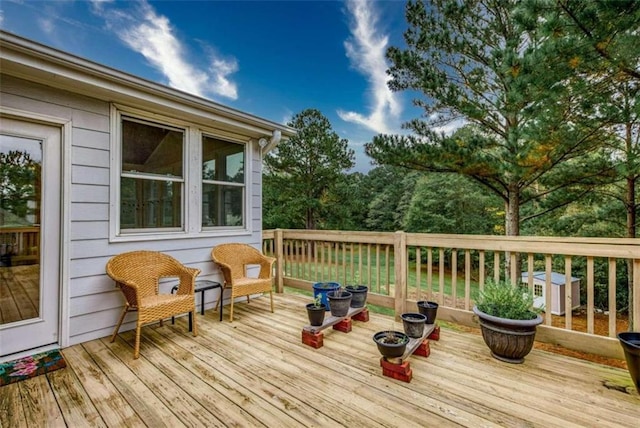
column 30, row 176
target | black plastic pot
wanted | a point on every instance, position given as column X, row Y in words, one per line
column 630, row 341
column 316, row 314
column 359, row 295
column 391, row 348
column 413, row 324
column 428, row 309
column 339, row 305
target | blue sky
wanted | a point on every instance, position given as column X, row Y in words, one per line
column 272, row 59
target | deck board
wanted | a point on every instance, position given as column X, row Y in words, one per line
column 257, row 372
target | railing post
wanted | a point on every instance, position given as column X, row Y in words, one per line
column 278, row 241
column 400, row 264
column 635, row 298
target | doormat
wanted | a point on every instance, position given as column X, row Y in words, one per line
column 33, row 365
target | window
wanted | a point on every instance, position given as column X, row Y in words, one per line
column 151, row 180
column 175, row 178
column 223, row 178
column 537, row 290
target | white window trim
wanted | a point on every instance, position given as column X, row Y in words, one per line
column 192, row 175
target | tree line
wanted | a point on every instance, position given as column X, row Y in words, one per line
column 547, row 95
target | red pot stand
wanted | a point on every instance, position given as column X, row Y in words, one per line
column 400, row 368
column 313, row 336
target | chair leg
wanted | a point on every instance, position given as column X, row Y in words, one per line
column 195, row 323
column 231, row 310
column 115, row 332
column 136, row 349
column 271, row 295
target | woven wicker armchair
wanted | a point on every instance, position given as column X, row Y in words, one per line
column 137, row 274
column 233, row 260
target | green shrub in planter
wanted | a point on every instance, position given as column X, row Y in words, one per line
column 504, row 300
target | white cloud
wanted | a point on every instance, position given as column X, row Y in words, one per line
column 366, row 50
column 450, row 127
column 47, row 26
column 150, row 34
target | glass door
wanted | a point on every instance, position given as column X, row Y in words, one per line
column 29, row 235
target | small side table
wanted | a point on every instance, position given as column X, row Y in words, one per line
column 202, row 285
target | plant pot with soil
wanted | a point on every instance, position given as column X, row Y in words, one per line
column 413, row 324
column 428, row 309
column 391, row 344
column 508, row 320
column 630, row 342
column 339, row 301
column 316, row 311
column 359, row 295
column 322, row 288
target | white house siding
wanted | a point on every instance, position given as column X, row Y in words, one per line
column 94, row 303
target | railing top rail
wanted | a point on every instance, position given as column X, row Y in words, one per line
column 338, row 236
column 19, row 229
column 595, row 247
column 626, row 248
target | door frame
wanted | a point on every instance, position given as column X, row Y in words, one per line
column 65, row 125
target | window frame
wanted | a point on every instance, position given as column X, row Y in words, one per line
column 191, row 199
column 242, row 185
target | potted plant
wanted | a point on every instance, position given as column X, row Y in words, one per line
column 508, row 320
column 339, row 301
column 359, row 295
column 391, row 344
column 316, row 311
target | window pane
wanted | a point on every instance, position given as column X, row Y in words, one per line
column 150, row 203
column 222, row 160
column 151, row 149
column 222, row 205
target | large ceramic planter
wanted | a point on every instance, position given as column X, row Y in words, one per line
column 339, row 305
column 316, row 314
column 359, row 295
column 630, row 341
column 413, row 324
column 428, row 309
column 391, row 344
column 322, row 288
column 509, row 340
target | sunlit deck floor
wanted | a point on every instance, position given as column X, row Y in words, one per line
column 256, row 372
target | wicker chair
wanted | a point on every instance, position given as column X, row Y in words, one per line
column 233, row 260
column 137, row 274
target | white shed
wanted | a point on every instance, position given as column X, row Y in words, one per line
column 122, row 164
column 558, row 285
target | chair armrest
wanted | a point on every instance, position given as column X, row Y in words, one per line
column 187, row 277
column 266, row 267
column 130, row 291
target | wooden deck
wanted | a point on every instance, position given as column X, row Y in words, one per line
column 256, row 372
column 19, row 293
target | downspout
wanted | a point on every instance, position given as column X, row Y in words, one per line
column 273, row 142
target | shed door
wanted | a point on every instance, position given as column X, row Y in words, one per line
column 30, row 175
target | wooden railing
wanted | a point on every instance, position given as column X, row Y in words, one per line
column 401, row 268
